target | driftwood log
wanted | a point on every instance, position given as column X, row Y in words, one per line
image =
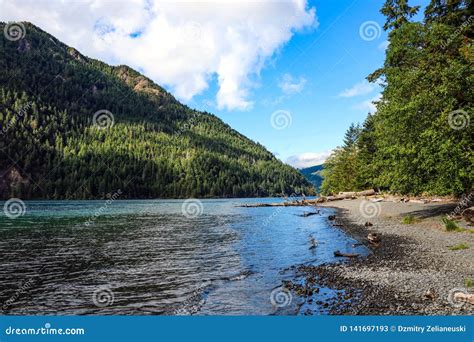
column 346, row 255
column 370, row 192
column 345, row 195
column 421, row 201
column 280, row 204
column 308, row 202
column 306, row 214
column 349, row 194
column 464, row 297
column 375, row 200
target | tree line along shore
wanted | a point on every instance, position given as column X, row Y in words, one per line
column 420, row 139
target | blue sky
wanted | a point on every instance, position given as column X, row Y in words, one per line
column 331, row 58
column 296, row 65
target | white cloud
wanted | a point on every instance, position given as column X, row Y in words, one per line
column 361, row 88
column 384, row 45
column 178, row 44
column 290, row 85
column 368, row 104
column 308, row 159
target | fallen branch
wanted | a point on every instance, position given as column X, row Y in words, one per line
column 346, row 255
column 370, row 192
column 306, row 214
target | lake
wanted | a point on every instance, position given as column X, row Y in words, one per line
column 160, row 257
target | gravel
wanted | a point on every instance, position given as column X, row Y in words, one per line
column 411, row 272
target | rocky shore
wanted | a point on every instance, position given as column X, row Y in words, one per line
column 418, row 268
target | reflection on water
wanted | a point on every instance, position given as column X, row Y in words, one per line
column 146, row 257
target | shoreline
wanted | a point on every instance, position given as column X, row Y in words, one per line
column 412, row 272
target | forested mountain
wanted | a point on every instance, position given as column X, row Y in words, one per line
column 313, row 175
column 421, row 138
column 72, row 127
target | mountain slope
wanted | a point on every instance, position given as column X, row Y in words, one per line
column 313, row 175
column 74, row 127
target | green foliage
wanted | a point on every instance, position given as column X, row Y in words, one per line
column 459, row 247
column 157, row 147
column 338, row 171
column 452, row 12
column 469, row 282
column 421, row 138
column 351, row 136
column 450, row 225
column 409, row 219
column 397, row 12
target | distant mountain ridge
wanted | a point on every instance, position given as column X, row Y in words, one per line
column 76, row 128
column 313, row 175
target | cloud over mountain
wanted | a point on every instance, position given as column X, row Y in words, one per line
column 183, row 45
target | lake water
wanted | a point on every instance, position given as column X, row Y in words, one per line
column 159, row 256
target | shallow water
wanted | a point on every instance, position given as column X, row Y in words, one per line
column 148, row 257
